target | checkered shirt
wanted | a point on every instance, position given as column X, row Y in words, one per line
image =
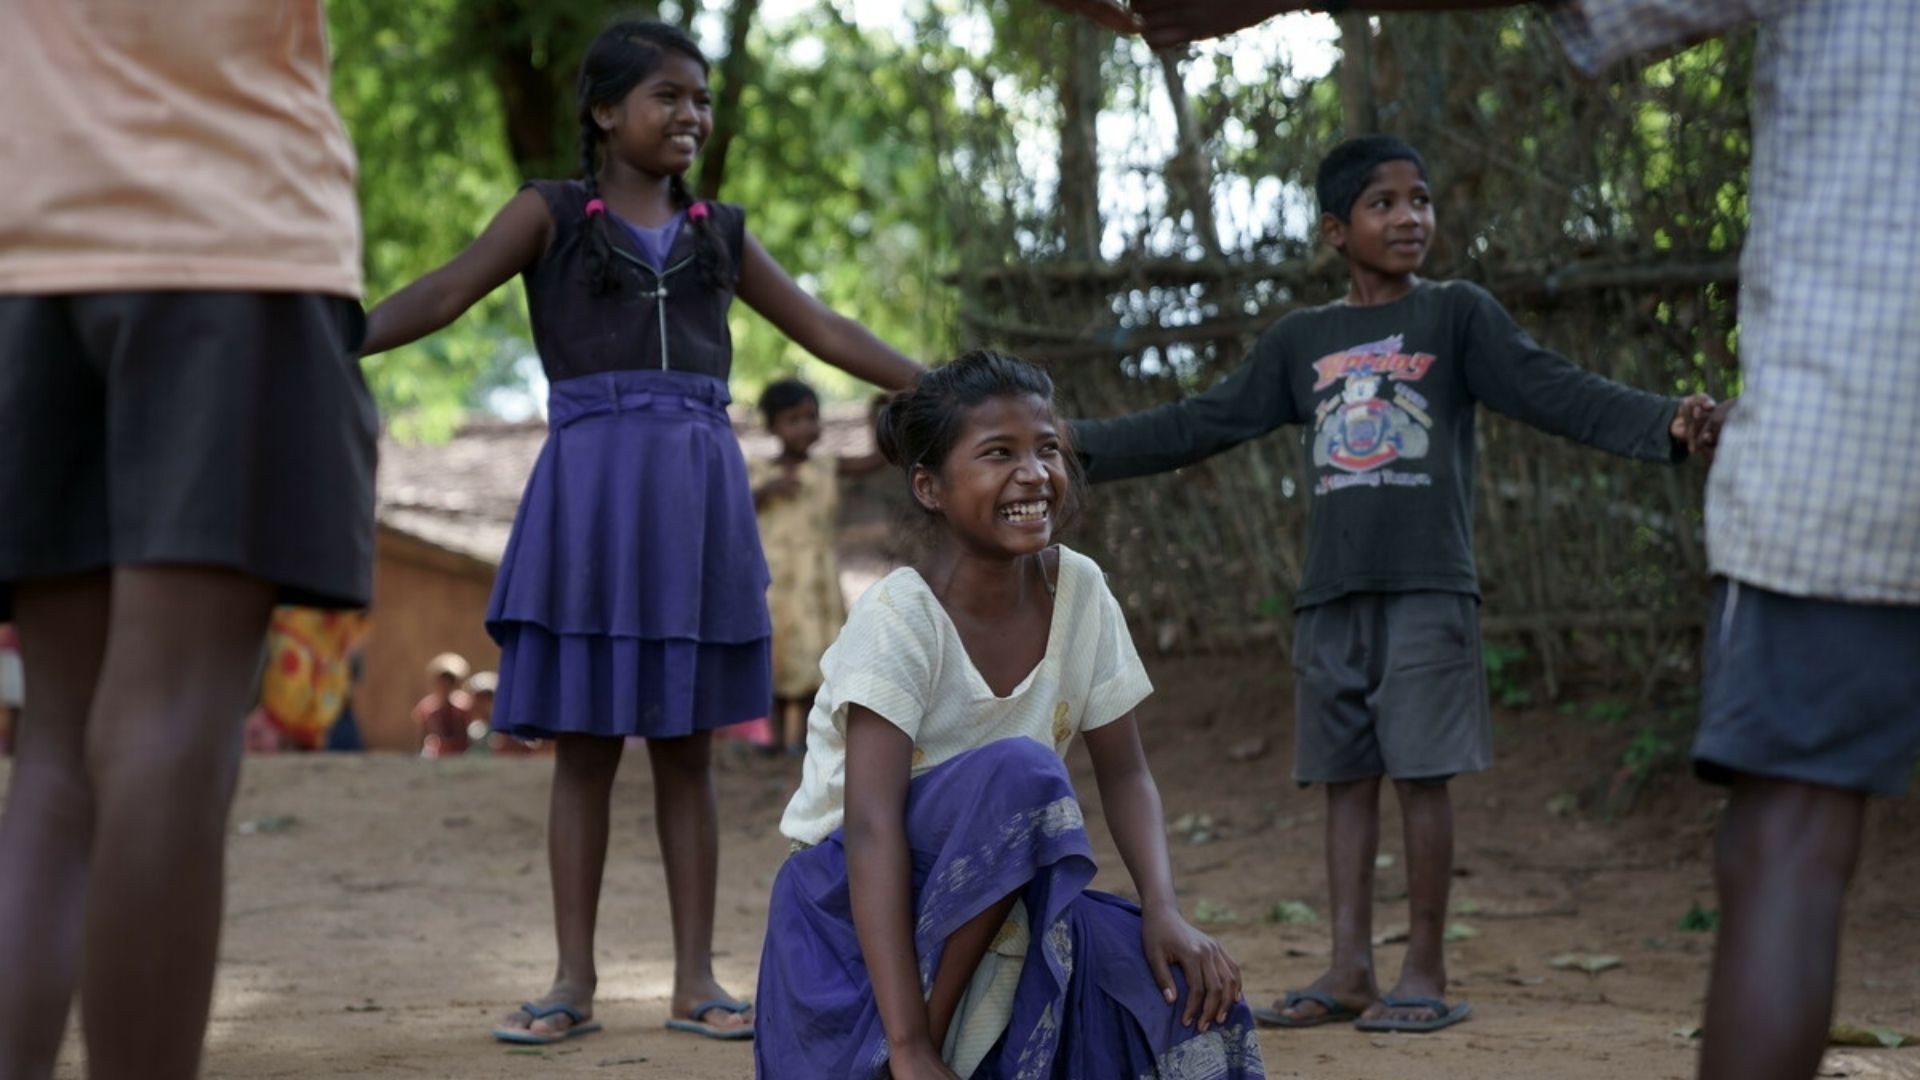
column 1816, row 491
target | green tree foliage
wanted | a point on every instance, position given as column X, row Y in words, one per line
column 434, row 167
column 446, row 103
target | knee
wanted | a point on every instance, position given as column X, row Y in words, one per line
column 685, row 756
column 192, row 775
column 54, row 792
column 1018, row 757
column 587, row 759
column 1018, row 768
column 1807, row 836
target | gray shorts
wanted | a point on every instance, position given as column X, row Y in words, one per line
column 207, row 428
column 1389, row 684
column 1817, row 691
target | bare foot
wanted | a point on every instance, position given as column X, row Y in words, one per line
column 1354, row 990
column 705, row 993
column 553, row 1020
column 1412, row 984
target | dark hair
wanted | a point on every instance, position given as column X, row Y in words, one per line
column 917, row 428
column 1347, row 170
column 783, row 394
column 620, row 59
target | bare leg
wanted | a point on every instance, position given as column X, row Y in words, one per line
column 793, row 725
column 163, row 751
column 1353, row 839
column 48, row 827
column 577, row 827
column 1426, row 811
column 1782, row 862
column 688, row 820
column 958, row 961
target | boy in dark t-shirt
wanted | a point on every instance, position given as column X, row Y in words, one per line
column 1389, row 676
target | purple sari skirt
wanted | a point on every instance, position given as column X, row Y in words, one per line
column 994, row 821
column 632, row 596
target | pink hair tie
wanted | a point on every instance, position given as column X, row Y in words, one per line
column 595, row 206
column 697, row 212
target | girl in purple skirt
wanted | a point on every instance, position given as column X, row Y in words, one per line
column 934, row 919
column 632, row 596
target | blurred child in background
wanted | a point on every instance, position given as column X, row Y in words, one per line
column 796, row 496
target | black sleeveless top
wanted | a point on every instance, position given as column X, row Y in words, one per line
column 658, row 320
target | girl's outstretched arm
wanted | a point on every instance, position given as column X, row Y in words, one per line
column 1138, row 825
column 769, row 290
column 515, row 237
column 880, row 880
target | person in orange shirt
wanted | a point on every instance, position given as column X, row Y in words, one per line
column 187, row 441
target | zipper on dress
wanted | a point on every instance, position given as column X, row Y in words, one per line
column 659, row 294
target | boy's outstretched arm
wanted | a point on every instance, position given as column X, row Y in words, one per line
column 768, row 289
column 1131, row 802
column 1252, row 401
column 515, row 237
column 1514, row 375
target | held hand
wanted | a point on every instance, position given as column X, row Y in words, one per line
column 1213, row 979
column 918, row 1061
column 1691, row 422
column 1710, row 431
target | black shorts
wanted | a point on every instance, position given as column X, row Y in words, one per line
column 1817, row 691
column 1389, row 684
column 226, row 429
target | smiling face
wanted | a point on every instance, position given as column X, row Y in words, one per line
column 1389, row 226
column 1003, row 484
column 661, row 124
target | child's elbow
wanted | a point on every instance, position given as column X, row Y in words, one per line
column 869, row 831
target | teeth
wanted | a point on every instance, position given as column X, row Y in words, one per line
column 1026, row 511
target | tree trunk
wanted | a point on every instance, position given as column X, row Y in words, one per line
column 1188, row 176
column 1356, row 74
column 1080, row 96
column 735, row 70
column 532, row 93
column 534, row 48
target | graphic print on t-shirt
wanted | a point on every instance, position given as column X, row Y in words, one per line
column 1376, row 418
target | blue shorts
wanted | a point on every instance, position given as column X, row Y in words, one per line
column 1818, row 691
column 1389, row 684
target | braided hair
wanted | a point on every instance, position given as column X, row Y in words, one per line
column 621, row 58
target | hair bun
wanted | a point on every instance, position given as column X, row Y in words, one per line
column 886, row 422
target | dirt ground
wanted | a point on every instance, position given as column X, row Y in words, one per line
column 384, row 910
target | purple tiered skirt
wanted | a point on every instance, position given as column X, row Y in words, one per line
column 632, row 598
column 991, row 822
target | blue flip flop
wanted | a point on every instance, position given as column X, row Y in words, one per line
column 697, row 1026
column 1445, row 1015
column 526, row 1037
column 1335, row 1013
